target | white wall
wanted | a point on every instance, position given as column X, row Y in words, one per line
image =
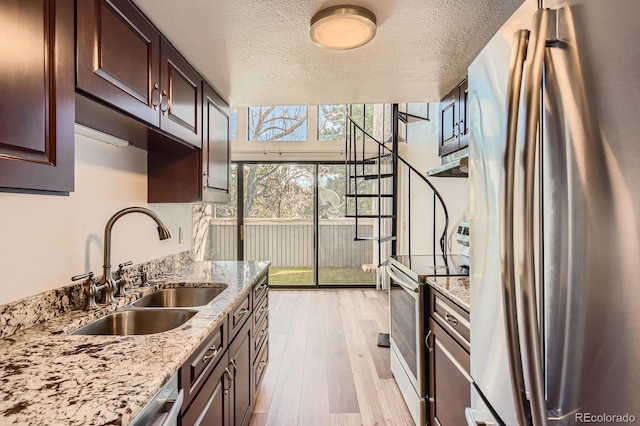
column 46, row 239
column 421, row 151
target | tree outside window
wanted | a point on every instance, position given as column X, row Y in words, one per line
column 278, row 123
column 332, row 122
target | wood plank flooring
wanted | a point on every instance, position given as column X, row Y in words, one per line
column 325, row 368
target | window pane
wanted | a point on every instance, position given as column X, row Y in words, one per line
column 278, row 123
column 233, row 125
column 332, row 122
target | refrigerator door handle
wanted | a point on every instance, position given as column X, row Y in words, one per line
column 529, row 328
column 519, row 51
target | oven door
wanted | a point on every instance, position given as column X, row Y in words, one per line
column 406, row 305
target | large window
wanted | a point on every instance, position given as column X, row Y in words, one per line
column 278, row 123
column 332, row 122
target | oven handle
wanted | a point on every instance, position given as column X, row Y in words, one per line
column 410, row 286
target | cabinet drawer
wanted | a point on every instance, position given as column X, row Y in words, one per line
column 259, row 291
column 261, row 310
column 260, row 366
column 452, row 318
column 199, row 365
column 261, row 334
column 238, row 316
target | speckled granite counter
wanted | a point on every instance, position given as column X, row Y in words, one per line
column 52, row 378
column 455, row 289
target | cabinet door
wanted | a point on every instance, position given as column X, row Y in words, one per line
column 463, row 95
column 450, row 383
column 118, row 57
column 211, row 406
column 36, row 87
column 240, row 359
column 448, row 119
column 215, row 146
column 181, row 97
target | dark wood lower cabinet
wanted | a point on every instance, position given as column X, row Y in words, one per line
column 224, row 395
column 241, row 361
column 449, row 373
column 211, row 406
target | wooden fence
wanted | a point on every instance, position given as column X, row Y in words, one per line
column 289, row 242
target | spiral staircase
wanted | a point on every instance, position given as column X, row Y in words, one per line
column 372, row 192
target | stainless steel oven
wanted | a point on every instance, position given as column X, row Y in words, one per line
column 407, row 333
column 407, row 306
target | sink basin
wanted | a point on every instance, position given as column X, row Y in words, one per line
column 179, row 297
column 148, row 321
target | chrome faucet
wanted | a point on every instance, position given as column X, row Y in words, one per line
column 111, row 285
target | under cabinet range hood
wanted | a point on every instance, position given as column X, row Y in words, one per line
column 455, row 164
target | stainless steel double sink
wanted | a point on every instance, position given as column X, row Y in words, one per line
column 154, row 313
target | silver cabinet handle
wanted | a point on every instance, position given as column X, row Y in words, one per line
column 163, row 97
column 450, row 318
column 518, row 54
column 532, row 363
column 235, row 368
column 242, row 312
column 215, row 350
column 426, row 342
column 230, row 379
column 154, row 93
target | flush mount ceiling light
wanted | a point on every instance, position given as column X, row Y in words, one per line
column 342, row 27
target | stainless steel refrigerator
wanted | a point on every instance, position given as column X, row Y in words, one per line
column 554, row 102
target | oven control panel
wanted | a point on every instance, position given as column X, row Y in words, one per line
column 462, row 236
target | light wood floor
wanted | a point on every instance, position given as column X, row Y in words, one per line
column 325, row 368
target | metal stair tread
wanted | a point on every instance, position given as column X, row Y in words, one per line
column 371, row 216
column 368, row 195
column 372, row 176
column 407, row 118
column 379, row 239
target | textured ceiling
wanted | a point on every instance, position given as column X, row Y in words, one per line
column 259, row 53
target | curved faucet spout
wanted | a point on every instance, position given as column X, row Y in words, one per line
column 163, row 234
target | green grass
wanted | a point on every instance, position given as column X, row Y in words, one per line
column 328, row 276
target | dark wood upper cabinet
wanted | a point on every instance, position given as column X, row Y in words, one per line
column 463, row 93
column 124, row 64
column 454, row 130
column 36, row 87
column 123, row 61
column 181, row 96
column 215, row 146
column 448, row 120
column 118, row 57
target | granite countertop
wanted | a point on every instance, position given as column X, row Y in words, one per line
column 50, row 377
column 455, row 289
